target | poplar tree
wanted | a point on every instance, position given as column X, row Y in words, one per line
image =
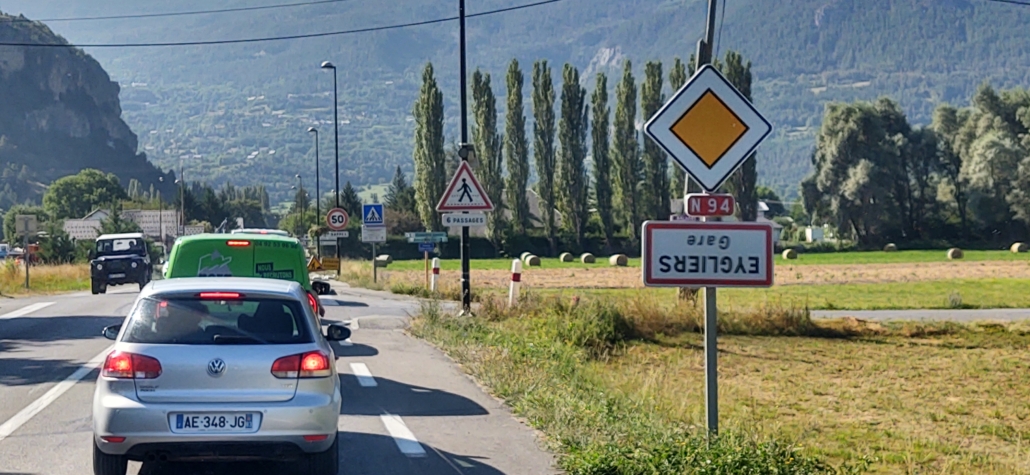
column 430, row 178
column 602, row 158
column 572, row 130
column 743, row 184
column 488, row 151
column 516, row 151
column 625, row 152
column 656, row 169
column 543, row 146
column 677, row 78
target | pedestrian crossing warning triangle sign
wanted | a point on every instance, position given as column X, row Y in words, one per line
column 464, row 193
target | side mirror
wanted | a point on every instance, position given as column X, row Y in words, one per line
column 321, row 288
column 111, row 332
column 337, row 332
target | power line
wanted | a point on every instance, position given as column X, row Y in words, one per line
column 282, row 38
column 1011, row 2
column 172, row 14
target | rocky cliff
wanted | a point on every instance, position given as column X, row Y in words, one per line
column 59, row 113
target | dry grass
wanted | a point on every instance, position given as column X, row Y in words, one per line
column 953, row 403
column 43, row 279
column 900, row 397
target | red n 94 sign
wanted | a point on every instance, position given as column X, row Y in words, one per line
column 710, row 205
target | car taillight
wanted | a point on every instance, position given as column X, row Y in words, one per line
column 312, row 301
column 122, row 365
column 220, row 295
column 314, row 364
column 238, row 243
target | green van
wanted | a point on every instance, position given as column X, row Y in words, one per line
column 241, row 255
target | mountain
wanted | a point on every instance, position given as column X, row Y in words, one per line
column 60, row 113
column 240, row 112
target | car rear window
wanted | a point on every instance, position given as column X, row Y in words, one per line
column 216, row 321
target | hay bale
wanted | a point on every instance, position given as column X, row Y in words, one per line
column 890, row 248
column 955, row 253
column 531, row 261
column 587, row 258
column 1019, row 247
column 618, row 260
column 566, row 257
column 790, row 254
column 524, row 255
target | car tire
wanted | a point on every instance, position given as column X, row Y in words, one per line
column 324, row 463
column 102, row 288
column 104, row 464
column 93, row 287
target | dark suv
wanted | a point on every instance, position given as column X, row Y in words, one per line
column 119, row 259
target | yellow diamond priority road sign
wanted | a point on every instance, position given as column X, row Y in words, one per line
column 709, row 128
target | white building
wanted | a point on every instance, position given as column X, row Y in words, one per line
column 150, row 221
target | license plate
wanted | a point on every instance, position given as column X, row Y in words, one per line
column 185, row 423
column 116, row 276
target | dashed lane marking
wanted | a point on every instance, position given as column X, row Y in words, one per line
column 405, row 440
column 364, row 376
column 26, row 310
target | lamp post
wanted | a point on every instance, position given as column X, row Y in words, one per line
column 336, row 126
column 181, row 181
column 318, row 195
column 161, row 217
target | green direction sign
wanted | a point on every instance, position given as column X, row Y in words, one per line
column 426, row 237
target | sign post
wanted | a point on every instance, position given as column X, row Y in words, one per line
column 464, row 195
column 373, row 230
column 337, row 219
column 26, row 224
column 710, row 129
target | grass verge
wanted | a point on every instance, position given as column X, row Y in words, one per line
column 43, row 279
column 617, row 386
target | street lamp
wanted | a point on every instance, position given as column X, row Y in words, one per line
column 318, row 192
column 161, row 216
column 336, row 126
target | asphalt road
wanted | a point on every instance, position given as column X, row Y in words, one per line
column 407, row 408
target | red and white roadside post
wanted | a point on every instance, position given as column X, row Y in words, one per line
column 436, row 274
column 516, row 282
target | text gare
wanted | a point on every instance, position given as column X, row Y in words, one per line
column 694, row 264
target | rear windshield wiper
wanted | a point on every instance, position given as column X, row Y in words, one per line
column 236, row 339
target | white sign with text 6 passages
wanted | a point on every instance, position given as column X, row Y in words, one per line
column 689, row 254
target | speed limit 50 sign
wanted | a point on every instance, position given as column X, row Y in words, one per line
column 337, row 219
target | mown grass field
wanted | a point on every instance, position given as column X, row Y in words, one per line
column 840, row 258
column 617, row 386
column 44, row 279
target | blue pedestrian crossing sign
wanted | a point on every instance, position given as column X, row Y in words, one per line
column 372, row 215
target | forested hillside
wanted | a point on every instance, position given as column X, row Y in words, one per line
column 59, row 113
column 224, row 109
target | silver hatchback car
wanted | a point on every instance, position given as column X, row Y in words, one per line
column 219, row 369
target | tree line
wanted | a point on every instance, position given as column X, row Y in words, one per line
column 630, row 179
column 963, row 178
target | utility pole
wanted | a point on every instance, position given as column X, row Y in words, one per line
column 318, row 197
column 704, row 56
column 466, row 287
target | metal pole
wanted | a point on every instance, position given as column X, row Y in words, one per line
column 375, row 270
column 336, row 129
column 318, row 205
column 466, row 286
column 704, row 56
column 26, row 254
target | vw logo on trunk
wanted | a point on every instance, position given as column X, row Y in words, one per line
column 216, row 367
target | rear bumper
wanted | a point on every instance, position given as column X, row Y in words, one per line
column 280, row 434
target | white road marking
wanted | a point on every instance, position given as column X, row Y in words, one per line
column 364, row 376
column 26, row 310
column 353, row 324
column 347, row 342
column 405, row 440
column 37, row 406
